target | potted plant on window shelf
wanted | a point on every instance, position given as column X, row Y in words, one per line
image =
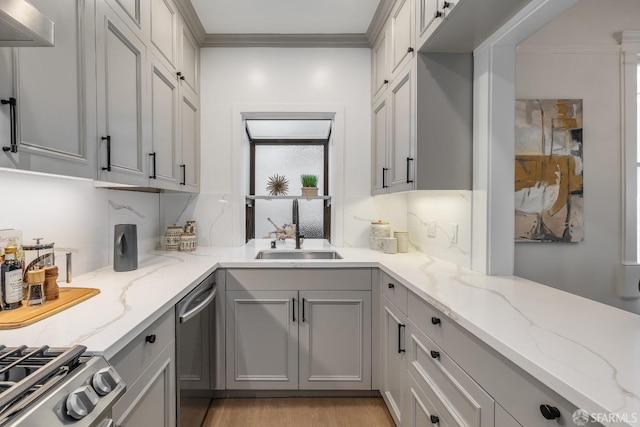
column 309, row 185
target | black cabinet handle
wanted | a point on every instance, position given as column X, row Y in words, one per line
column 108, row 139
column 150, row 338
column 13, row 147
column 391, row 285
column 446, row 5
column 549, row 412
column 400, row 327
column 184, row 174
column 293, row 311
column 384, row 173
column 410, row 50
column 434, row 419
column 385, row 81
column 180, row 76
column 438, row 14
column 303, row 316
column 436, row 321
column 435, row 354
column 153, row 165
column 409, row 160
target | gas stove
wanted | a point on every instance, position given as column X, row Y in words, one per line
column 56, row 387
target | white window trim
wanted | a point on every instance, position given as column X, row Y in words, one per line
column 629, row 57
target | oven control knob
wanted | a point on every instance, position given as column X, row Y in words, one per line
column 105, row 380
column 81, row 401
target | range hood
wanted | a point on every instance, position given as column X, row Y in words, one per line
column 22, row 25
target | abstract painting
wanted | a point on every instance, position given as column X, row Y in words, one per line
column 548, row 171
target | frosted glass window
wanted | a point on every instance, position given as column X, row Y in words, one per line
column 289, row 161
column 311, row 217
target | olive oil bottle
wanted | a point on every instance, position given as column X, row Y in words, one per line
column 11, row 272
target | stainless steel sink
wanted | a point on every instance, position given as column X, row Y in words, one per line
column 299, row 254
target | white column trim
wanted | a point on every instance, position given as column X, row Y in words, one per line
column 629, row 58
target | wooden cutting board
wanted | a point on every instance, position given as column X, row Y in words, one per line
column 23, row 316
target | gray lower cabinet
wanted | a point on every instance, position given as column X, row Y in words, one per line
column 298, row 329
column 147, row 366
column 262, row 340
column 394, row 362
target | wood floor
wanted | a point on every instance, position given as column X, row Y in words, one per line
column 298, row 412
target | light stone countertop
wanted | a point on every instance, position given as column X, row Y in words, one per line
column 586, row 351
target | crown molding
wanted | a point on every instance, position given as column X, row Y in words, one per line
column 191, row 19
column 285, row 40
column 379, row 19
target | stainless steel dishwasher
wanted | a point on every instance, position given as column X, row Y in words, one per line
column 194, row 349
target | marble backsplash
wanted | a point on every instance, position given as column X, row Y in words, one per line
column 411, row 211
column 76, row 216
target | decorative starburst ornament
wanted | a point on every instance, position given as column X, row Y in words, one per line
column 277, row 185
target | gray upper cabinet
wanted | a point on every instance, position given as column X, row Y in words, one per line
column 422, row 118
column 189, row 60
column 164, row 31
column 121, row 83
column 189, row 164
column 50, row 87
column 402, row 35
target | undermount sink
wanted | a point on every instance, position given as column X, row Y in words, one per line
column 298, row 254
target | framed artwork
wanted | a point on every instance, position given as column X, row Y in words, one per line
column 548, row 171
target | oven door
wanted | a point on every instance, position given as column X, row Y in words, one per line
column 194, row 326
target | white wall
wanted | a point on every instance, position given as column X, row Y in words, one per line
column 271, row 76
column 576, row 56
column 75, row 216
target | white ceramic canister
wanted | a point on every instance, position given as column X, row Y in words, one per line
column 187, row 242
column 390, row 245
column 172, row 238
column 403, row 240
column 377, row 232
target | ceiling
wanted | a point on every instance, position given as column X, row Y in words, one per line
column 285, row 16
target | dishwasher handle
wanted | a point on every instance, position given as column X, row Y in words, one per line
column 185, row 316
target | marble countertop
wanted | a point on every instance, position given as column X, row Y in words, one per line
column 586, row 351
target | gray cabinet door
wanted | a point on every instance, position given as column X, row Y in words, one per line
column 189, row 173
column 380, row 146
column 164, row 31
column 380, row 75
column 335, row 340
column 394, row 362
column 189, row 65
column 50, row 85
column 403, row 120
column 164, row 126
column 402, row 40
column 262, row 340
column 504, row 419
column 121, row 82
column 151, row 400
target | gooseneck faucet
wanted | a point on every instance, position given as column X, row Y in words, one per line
column 296, row 221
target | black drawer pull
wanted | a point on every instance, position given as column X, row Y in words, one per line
column 391, row 286
column 13, row 147
column 549, row 412
column 108, row 139
column 435, row 354
column 434, row 419
column 150, row 338
column 436, row 321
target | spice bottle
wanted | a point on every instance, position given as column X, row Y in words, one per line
column 51, row 289
column 11, row 272
column 35, row 278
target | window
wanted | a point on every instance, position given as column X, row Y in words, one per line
column 289, row 149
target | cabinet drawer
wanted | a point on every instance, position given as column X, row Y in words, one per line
column 426, row 409
column 431, row 321
column 132, row 360
column 155, row 389
column 395, row 292
column 436, row 373
column 285, row 279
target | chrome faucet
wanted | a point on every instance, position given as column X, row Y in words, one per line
column 296, row 221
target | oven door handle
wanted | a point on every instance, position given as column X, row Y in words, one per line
column 198, row 308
